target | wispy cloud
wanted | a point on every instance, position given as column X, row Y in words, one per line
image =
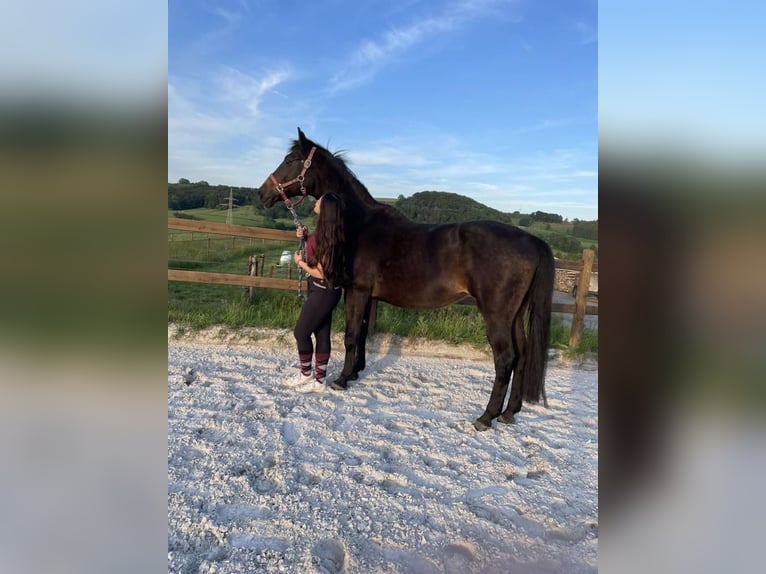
column 546, row 124
column 231, row 11
column 247, row 91
column 386, row 155
column 218, row 134
column 372, row 55
column 189, row 123
column 197, row 113
column 561, row 180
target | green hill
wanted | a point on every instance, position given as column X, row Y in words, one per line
column 567, row 239
column 443, row 207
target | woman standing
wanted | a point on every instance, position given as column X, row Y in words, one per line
column 325, row 265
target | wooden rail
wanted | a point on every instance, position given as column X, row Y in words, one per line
column 231, row 279
column 225, row 229
column 570, row 308
column 577, row 310
column 570, row 265
column 556, row 307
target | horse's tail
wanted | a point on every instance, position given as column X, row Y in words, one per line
column 539, row 306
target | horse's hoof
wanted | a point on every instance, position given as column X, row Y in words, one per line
column 506, row 419
column 353, row 376
column 339, row 385
column 481, row 426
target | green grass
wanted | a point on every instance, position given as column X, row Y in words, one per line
column 454, row 324
column 198, row 306
column 559, row 337
column 225, row 254
column 246, row 215
column 194, row 306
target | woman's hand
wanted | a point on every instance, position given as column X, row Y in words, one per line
column 301, row 232
column 297, row 257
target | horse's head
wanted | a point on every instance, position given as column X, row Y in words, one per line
column 294, row 176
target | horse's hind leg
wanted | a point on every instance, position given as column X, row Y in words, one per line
column 498, row 333
column 520, row 345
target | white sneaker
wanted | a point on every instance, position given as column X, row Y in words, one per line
column 313, row 387
column 298, row 380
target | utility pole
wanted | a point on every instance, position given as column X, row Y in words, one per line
column 229, row 217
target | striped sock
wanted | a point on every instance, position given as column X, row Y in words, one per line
column 305, row 359
column 320, row 371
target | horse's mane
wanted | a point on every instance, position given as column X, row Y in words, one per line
column 338, row 162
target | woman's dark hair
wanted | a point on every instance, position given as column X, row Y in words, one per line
column 330, row 240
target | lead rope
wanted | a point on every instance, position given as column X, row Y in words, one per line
column 301, row 244
column 299, row 179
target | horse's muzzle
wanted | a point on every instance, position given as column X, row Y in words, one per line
column 267, row 193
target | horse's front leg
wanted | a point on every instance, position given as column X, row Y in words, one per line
column 356, row 303
column 361, row 349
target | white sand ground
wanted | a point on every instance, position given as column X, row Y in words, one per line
column 387, row 477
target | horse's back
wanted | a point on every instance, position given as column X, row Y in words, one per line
column 431, row 265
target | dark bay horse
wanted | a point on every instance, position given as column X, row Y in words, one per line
column 508, row 271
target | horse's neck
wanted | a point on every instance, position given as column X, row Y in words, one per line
column 369, row 206
column 361, row 193
column 356, row 189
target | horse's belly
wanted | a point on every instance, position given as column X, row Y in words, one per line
column 419, row 297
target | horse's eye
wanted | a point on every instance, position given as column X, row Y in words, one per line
column 290, row 158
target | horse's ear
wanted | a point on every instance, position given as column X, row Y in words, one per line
column 301, row 136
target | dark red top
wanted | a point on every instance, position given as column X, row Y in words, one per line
column 310, row 242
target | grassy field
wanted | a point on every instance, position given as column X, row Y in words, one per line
column 197, row 306
column 223, row 253
column 246, row 215
column 545, row 229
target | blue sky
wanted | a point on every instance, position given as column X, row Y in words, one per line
column 492, row 99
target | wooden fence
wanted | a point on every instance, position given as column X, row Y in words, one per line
column 578, row 310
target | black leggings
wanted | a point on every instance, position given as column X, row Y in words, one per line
column 316, row 318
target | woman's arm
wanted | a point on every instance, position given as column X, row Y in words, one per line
column 315, row 272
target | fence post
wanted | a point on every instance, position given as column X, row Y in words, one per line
column 252, row 272
column 583, row 285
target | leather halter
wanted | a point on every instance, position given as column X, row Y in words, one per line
column 299, row 179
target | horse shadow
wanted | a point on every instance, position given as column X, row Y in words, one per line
column 382, row 352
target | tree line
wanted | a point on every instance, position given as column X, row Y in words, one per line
column 187, row 195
